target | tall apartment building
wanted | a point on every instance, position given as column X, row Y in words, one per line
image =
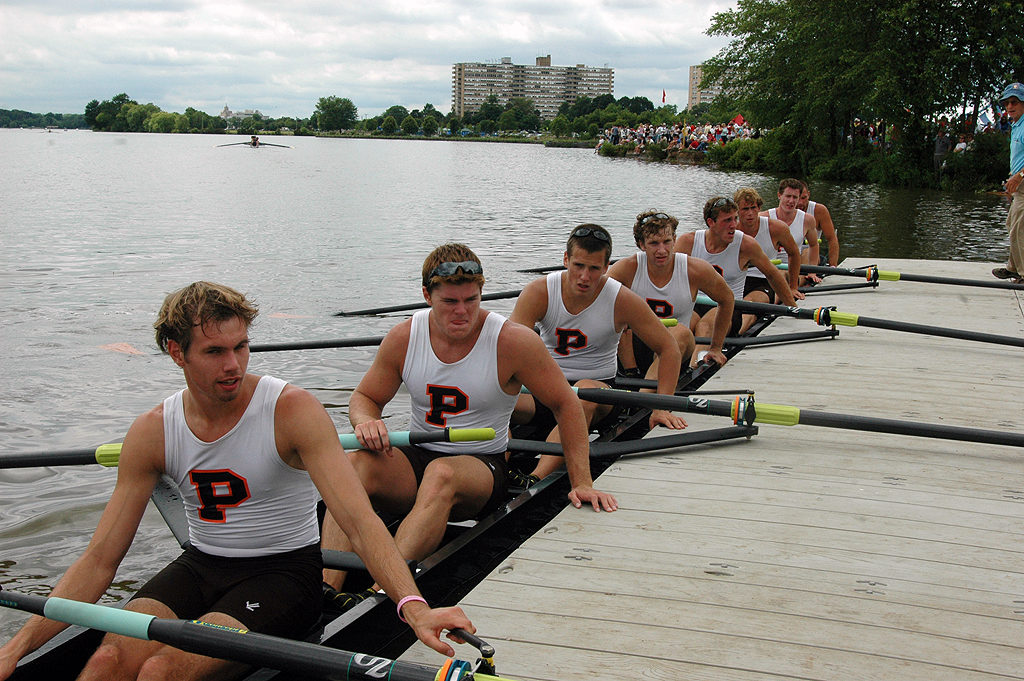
column 698, row 96
column 548, row 86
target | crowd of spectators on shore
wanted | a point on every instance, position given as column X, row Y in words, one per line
column 694, row 137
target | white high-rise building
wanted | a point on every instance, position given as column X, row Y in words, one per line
column 546, row 85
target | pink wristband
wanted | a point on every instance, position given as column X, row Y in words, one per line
column 407, row 599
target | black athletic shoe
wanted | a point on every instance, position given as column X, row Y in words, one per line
column 339, row 601
column 1004, row 273
column 517, row 480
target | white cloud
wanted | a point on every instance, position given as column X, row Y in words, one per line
column 280, row 58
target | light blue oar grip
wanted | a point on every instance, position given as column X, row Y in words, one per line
column 114, row 620
column 704, row 300
column 397, row 438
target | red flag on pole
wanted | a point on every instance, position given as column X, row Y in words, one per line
column 662, row 96
column 738, row 120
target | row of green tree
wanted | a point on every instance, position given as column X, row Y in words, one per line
column 586, row 117
column 15, row 118
column 808, row 69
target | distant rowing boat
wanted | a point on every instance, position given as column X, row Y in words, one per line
column 254, row 146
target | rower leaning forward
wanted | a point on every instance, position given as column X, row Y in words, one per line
column 249, row 454
column 668, row 282
column 464, row 368
column 731, row 253
column 580, row 313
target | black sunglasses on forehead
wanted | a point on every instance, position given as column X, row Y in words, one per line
column 655, row 216
column 448, row 269
column 590, row 231
column 721, row 202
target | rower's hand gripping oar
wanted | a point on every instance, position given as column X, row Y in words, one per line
column 109, row 454
column 742, row 409
column 240, row 645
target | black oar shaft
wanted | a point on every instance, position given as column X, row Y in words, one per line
column 655, row 401
column 68, row 457
column 897, row 427
column 746, row 410
column 829, row 288
column 773, row 339
column 940, row 331
column 365, row 341
column 500, row 295
column 874, row 274
column 247, row 647
column 826, row 316
column 601, row 450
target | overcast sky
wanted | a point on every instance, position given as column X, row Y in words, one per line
column 280, row 57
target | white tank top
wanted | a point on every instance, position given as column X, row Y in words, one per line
column 796, row 229
column 727, row 263
column 811, row 207
column 584, row 345
column 674, row 299
column 764, row 239
column 463, row 394
column 240, row 498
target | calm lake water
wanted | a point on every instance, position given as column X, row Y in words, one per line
column 96, row 228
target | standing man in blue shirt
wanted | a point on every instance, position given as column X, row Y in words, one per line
column 1012, row 100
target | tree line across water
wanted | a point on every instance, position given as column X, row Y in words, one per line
column 813, row 73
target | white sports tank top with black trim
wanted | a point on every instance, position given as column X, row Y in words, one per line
column 584, row 345
column 727, row 263
column 674, row 299
column 764, row 240
column 463, row 394
column 240, row 498
column 796, row 229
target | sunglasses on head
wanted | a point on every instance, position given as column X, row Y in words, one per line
column 655, row 216
column 590, row 231
column 450, row 269
column 724, row 201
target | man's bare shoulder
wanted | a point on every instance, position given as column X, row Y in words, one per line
column 624, row 269
column 294, row 397
column 538, row 288
column 515, row 337
column 684, row 242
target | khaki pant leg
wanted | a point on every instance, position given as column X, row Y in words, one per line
column 1015, row 226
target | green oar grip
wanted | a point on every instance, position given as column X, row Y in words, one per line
column 470, row 434
column 668, row 321
column 888, row 276
column 776, row 414
column 843, row 318
column 108, row 455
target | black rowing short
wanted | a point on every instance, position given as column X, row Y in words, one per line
column 700, row 309
column 280, row 595
column 759, row 284
column 419, row 457
column 643, row 355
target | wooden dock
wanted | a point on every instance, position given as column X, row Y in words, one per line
column 806, row 552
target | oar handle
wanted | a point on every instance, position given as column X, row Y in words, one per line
column 403, row 438
column 254, row 649
column 109, row 454
column 485, row 648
